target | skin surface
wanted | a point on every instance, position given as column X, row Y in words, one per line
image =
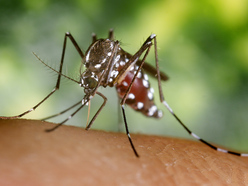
column 73, row 156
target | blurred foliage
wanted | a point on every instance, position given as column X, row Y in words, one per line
column 203, row 47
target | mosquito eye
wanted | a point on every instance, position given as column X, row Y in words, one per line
column 90, row 83
column 87, row 65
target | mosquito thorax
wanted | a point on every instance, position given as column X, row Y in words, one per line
column 98, row 55
column 95, row 61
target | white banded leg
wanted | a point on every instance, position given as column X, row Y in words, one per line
column 153, row 36
column 59, row 75
column 144, row 48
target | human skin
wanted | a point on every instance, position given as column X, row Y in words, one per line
column 73, row 156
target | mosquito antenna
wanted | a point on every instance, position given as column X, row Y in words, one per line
column 54, row 69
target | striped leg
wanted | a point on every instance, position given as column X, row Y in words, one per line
column 177, row 118
column 145, row 48
column 60, row 113
column 59, row 75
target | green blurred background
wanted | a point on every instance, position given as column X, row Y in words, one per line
column 203, row 47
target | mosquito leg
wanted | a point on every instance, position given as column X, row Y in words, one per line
column 198, row 138
column 153, row 36
column 58, row 125
column 119, row 117
column 59, row 75
column 68, row 34
column 145, row 47
column 158, row 72
column 62, row 112
column 127, row 131
column 99, row 110
column 84, row 103
column 30, row 110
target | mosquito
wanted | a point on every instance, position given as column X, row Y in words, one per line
column 106, row 64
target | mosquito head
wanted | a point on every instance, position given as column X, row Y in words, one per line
column 89, row 80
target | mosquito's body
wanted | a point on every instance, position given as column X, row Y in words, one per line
column 140, row 96
column 107, row 64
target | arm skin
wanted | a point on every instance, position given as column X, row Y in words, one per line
column 73, row 156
